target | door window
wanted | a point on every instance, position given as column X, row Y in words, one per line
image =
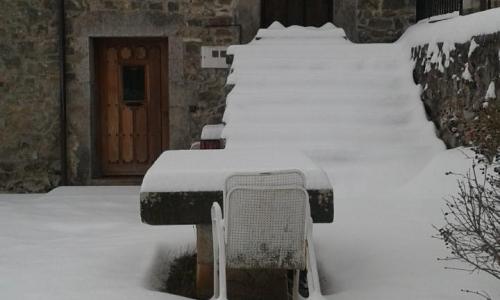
column 133, row 85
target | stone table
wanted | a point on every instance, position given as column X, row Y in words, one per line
column 181, row 187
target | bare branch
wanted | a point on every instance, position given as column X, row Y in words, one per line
column 482, row 294
column 472, row 227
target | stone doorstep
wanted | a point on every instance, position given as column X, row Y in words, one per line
column 117, row 181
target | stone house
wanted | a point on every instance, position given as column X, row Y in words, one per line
column 92, row 91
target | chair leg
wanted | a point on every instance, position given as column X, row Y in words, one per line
column 296, row 285
column 312, row 267
column 222, row 264
column 215, row 244
column 220, row 290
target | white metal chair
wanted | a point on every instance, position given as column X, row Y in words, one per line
column 267, row 225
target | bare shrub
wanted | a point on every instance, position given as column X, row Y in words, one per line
column 472, row 220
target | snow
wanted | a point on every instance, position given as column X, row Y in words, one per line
column 356, row 112
column 434, row 57
column 473, row 47
column 386, row 251
column 450, row 30
column 466, row 74
column 80, row 243
column 353, row 109
column 440, row 17
column 207, row 170
column 446, row 49
column 456, row 30
column 212, row 132
column 490, row 93
column 88, row 243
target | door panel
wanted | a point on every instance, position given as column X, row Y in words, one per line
column 318, row 12
column 274, row 10
column 141, row 135
column 154, row 113
column 296, row 12
column 126, row 134
column 133, row 104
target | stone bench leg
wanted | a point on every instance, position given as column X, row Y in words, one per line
column 242, row 284
column 204, row 262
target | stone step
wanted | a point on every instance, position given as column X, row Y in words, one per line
column 117, row 181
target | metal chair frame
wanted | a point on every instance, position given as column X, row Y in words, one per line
column 258, row 182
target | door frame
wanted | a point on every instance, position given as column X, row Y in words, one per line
column 96, row 114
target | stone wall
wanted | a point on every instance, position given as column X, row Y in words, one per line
column 383, row 21
column 29, row 149
column 460, row 87
column 344, row 16
column 472, row 6
column 29, row 145
column 249, row 18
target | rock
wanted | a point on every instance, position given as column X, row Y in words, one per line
column 453, row 101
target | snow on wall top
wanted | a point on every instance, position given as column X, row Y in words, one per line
column 276, row 30
column 459, row 29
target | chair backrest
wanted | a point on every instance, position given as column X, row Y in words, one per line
column 262, row 179
column 275, row 178
column 265, row 227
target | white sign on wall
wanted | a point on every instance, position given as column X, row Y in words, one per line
column 214, row 57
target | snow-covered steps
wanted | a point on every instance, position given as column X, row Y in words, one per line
column 315, row 63
column 353, row 108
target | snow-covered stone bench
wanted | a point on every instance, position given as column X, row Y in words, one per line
column 181, row 187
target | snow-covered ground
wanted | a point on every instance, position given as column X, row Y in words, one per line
column 81, row 243
column 88, row 243
column 352, row 108
column 380, row 245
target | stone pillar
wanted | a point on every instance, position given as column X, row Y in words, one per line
column 344, row 15
column 248, row 16
column 204, row 261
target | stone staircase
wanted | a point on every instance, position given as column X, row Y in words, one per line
column 353, row 108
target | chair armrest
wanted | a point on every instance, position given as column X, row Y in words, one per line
column 211, row 137
column 195, row 146
column 212, row 132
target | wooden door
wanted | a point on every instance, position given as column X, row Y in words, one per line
column 296, row 12
column 131, row 76
column 318, row 12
